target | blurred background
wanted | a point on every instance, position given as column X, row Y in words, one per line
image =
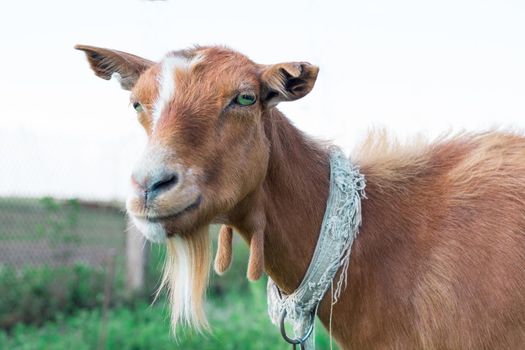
column 72, row 274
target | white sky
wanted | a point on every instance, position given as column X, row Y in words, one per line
column 409, row 66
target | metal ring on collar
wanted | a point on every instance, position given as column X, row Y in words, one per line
column 300, row 340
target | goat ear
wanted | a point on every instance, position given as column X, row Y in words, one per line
column 287, row 81
column 105, row 62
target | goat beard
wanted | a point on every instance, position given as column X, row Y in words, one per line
column 185, row 277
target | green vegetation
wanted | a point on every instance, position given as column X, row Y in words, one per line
column 237, row 322
column 37, row 294
column 59, row 306
column 54, row 258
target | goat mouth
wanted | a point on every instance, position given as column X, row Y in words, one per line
column 161, row 218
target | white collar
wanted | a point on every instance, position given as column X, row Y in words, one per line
column 340, row 227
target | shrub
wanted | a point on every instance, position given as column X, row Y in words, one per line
column 35, row 294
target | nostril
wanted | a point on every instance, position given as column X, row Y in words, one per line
column 164, row 183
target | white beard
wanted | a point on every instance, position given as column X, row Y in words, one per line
column 185, row 276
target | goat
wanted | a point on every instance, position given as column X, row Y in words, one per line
column 440, row 259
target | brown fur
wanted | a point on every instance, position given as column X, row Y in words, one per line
column 439, row 261
column 256, row 261
column 223, row 258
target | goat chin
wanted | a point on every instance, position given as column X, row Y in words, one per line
column 185, row 276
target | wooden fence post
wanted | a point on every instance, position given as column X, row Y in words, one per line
column 136, row 258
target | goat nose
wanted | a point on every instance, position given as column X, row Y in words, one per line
column 155, row 184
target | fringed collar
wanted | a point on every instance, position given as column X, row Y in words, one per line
column 340, row 227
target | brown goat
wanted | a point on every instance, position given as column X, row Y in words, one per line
column 440, row 259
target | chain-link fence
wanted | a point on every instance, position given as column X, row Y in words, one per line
column 57, row 256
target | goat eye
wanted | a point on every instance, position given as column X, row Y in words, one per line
column 245, row 99
column 138, row 107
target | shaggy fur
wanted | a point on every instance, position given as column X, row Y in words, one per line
column 185, row 277
column 439, row 263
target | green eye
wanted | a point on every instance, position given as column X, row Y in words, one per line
column 245, row 99
column 138, row 107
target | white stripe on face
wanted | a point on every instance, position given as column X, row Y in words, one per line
column 166, row 80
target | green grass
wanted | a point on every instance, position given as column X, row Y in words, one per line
column 38, row 294
column 238, row 321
